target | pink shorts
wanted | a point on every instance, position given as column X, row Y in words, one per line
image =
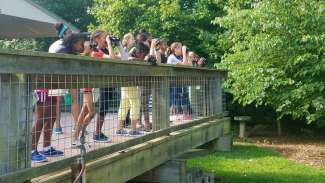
column 43, row 96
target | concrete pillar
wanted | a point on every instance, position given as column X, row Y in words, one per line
column 242, row 129
column 242, row 124
column 224, row 143
column 15, row 121
column 175, row 171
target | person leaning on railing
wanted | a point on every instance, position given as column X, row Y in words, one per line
column 159, row 50
column 195, row 60
column 179, row 99
column 59, row 46
column 130, row 99
column 196, row 92
column 144, row 41
column 102, row 48
column 48, row 106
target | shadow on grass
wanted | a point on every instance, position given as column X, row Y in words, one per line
column 239, row 151
column 236, row 177
column 245, row 151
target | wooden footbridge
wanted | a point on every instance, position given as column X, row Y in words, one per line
column 125, row 157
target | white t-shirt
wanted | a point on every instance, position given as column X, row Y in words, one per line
column 59, row 47
column 173, row 60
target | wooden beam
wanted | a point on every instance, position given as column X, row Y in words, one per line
column 15, row 122
column 123, row 166
column 29, row 173
column 63, row 64
column 160, row 104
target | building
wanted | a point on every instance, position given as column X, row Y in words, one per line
column 25, row 19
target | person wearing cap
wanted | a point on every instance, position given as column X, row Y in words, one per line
column 63, row 32
column 60, row 46
column 48, row 106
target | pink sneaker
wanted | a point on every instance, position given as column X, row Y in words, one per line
column 187, row 117
column 178, row 118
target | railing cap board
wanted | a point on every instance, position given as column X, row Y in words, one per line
column 31, row 62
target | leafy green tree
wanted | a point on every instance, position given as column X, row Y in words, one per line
column 275, row 54
column 187, row 21
column 77, row 12
column 19, row 44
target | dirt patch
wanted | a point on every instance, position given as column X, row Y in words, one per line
column 307, row 150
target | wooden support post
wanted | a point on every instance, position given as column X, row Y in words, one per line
column 212, row 96
column 160, row 103
column 205, row 98
column 219, row 94
column 209, row 97
column 15, row 122
column 198, row 94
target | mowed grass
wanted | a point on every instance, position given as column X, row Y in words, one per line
column 250, row 164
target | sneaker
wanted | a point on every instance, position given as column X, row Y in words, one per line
column 75, row 144
column 51, row 152
column 58, row 130
column 101, row 138
column 187, row 117
column 135, row 133
column 121, row 132
column 178, row 118
column 147, row 127
column 37, row 157
column 74, row 129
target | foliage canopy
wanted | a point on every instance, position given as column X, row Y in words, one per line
column 275, row 54
column 186, row 21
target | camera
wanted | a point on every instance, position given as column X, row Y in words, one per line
column 115, row 41
column 200, row 62
column 152, row 60
column 158, row 42
column 202, row 59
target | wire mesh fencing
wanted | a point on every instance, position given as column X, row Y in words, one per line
column 42, row 114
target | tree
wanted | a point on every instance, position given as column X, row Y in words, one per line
column 275, row 55
column 20, row 44
column 77, row 12
column 187, row 21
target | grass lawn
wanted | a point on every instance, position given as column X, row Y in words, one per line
column 248, row 163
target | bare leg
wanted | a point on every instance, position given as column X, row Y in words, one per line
column 75, row 109
column 134, row 124
column 58, row 111
column 86, row 115
column 99, row 124
column 185, row 110
column 121, row 124
column 49, row 116
column 145, row 98
column 37, row 126
column 83, row 113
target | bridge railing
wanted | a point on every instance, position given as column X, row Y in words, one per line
column 160, row 96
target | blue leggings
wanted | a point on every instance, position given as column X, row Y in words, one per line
column 179, row 97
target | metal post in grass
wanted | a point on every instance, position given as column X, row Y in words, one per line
column 242, row 124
